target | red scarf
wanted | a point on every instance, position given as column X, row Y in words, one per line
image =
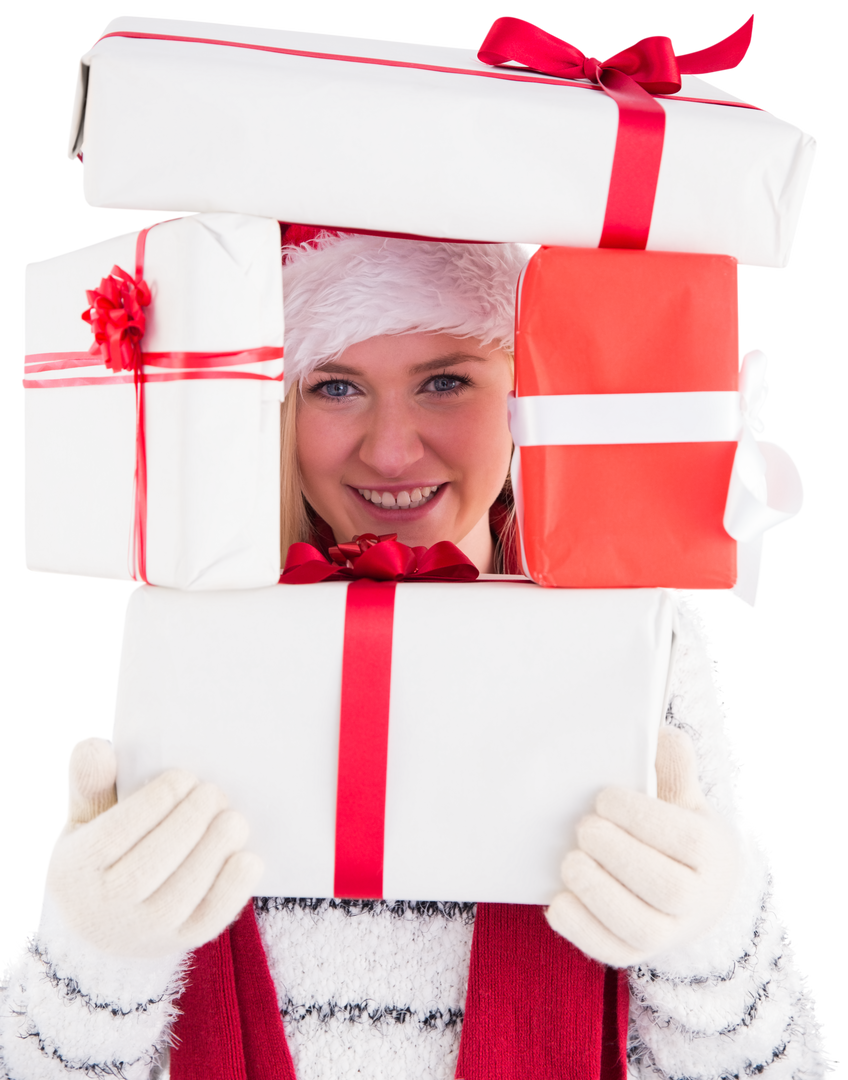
column 536, row 1008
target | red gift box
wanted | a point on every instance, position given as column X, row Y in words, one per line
column 626, row 418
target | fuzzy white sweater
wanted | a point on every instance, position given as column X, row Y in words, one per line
column 375, row 989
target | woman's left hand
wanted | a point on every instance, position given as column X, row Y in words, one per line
column 648, row 874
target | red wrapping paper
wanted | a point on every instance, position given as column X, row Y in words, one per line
column 627, row 322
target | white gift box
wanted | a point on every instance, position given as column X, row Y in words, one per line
column 415, row 139
column 212, row 436
column 511, row 707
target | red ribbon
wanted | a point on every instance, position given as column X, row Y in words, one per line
column 364, row 739
column 116, row 316
column 379, row 558
column 630, row 78
column 373, row 565
column 178, row 367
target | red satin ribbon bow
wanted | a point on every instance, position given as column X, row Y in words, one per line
column 650, row 62
column 377, row 558
column 629, row 78
column 115, row 313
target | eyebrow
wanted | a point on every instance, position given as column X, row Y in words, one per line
column 451, row 360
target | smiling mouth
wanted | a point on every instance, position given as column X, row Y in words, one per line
column 399, row 500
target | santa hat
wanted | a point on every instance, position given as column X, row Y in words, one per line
column 341, row 288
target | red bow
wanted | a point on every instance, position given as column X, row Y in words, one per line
column 629, row 78
column 116, row 316
column 650, row 62
column 378, row 558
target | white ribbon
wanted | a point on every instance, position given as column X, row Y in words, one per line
column 609, row 419
column 765, row 488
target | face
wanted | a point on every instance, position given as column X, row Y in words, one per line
column 408, row 434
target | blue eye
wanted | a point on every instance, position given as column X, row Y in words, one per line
column 443, row 383
column 448, row 384
column 333, row 388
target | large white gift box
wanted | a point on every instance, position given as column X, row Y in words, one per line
column 511, row 706
column 209, row 435
column 415, row 139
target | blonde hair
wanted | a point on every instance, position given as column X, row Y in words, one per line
column 295, row 522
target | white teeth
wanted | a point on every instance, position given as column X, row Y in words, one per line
column 402, row 500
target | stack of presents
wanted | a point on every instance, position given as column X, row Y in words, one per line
column 153, row 448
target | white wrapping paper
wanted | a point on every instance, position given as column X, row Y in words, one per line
column 511, row 706
column 329, row 140
column 212, row 444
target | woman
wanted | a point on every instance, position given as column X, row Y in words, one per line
column 401, row 412
column 398, row 365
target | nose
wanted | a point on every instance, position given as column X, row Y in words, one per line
column 391, row 444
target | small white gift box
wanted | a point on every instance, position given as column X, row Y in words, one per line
column 414, row 139
column 208, row 437
column 510, row 707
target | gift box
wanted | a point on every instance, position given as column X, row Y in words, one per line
column 156, row 455
column 635, row 464
column 508, row 708
column 530, row 155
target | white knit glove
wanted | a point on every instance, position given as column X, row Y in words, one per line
column 648, row 874
column 159, row 873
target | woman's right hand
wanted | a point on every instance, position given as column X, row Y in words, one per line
column 161, row 872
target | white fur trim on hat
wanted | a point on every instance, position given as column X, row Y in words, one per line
column 339, row 290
